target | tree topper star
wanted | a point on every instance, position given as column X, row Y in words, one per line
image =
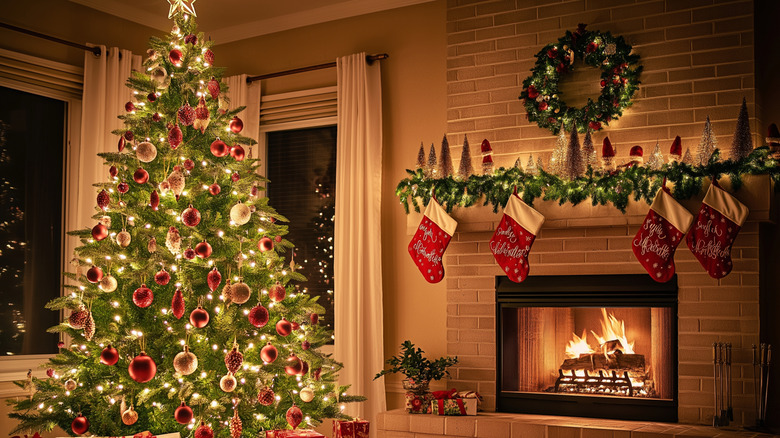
column 187, row 6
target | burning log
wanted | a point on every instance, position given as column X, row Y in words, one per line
column 597, row 361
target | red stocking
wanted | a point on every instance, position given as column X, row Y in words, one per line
column 431, row 239
column 720, row 218
column 660, row 233
column 514, row 236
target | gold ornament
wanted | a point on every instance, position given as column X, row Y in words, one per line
column 307, row 394
column 228, row 383
column 240, row 214
column 240, row 293
column 185, row 363
column 235, row 425
column 108, row 284
column 146, row 152
column 227, row 293
column 123, row 239
column 176, row 181
column 130, row 416
column 70, row 385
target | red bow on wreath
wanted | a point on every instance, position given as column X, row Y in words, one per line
column 452, row 394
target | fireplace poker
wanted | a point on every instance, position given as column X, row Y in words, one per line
column 761, row 360
column 728, row 383
column 715, row 418
column 766, row 391
column 724, row 419
column 756, row 392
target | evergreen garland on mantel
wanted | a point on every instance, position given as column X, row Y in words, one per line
column 601, row 187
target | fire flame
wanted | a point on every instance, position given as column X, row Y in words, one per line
column 578, row 346
column 613, row 337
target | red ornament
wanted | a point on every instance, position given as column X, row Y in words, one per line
column 129, row 136
column 305, row 345
column 113, row 171
column 123, row 187
column 304, row 368
column 316, row 373
column 294, row 365
column 129, row 107
column 174, row 136
column 213, row 279
column 258, row 316
column 603, row 83
column 151, row 97
column 189, row 253
column 295, row 325
column 254, row 191
column 209, row 56
column 235, row 176
column 183, row 414
column 189, row 164
column 103, row 200
column 204, row 431
column 533, row 93
column 269, row 353
column 277, row 238
column 294, row 416
column 120, row 146
column 199, row 317
column 676, row 148
column 203, row 249
column 190, row 216
column 143, row 297
column 595, row 126
column 156, row 117
column 186, row 114
column 314, row 318
column 80, row 425
column 543, row 106
column 191, row 39
column 265, row 244
column 214, row 189
column 109, row 356
column 607, row 151
column 177, row 304
column 283, row 327
column 50, row 372
column 560, row 68
column 591, row 47
column 162, row 277
column 552, row 53
column 237, row 152
column 213, row 87
column 94, row 274
column 154, row 200
column 175, row 57
column 142, row 368
column 140, row 176
column 277, row 292
column 236, row 125
column 219, row 148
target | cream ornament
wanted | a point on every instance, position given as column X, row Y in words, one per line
column 173, row 241
column 228, row 383
column 123, row 239
column 108, row 284
column 185, row 363
column 130, row 416
column 240, row 214
column 146, row 152
column 240, row 293
column 176, row 181
column 70, row 385
column 307, row 394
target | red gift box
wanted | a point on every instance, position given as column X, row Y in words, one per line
column 356, row 428
column 297, row 433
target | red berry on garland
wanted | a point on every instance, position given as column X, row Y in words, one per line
column 269, row 353
column 120, row 146
column 305, row 345
column 183, row 414
column 154, row 200
column 532, row 92
column 283, row 327
column 595, row 126
column 140, row 176
column 162, row 277
column 80, row 425
column 151, row 97
column 109, row 356
column 143, row 297
column 294, row 416
column 129, row 107
column 237, row 152
column 203, row 249
column 190, row 216
column 189, row 164
column 209, row 56
column 191, row 39
column 266, row 396
column 236, row 125
column 234, row 359
column 123, row 187
column 258, row 316
column 129, row 136
column 103, row 199
column 113, row 171
column 276, row 292
column 142, row 368
column 186, row 114
column 189, row 253
column 204, row 431
column 591, row 47
column 235, row 176
column 214, row 189
column 314, row 318
column 213, row 87
column 174, row 136
column 177, row 304
column 265, row 244
column 213, row 279
column 219, row 148
column 175, row 57
column 199, row 317
column 543, row 106
column 94, row 274
column 156, row 117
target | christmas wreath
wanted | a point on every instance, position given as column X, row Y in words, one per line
column 619, row 80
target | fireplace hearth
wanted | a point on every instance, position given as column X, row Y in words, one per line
column 590, row 346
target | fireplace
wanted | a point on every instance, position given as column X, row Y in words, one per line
column 601, row 346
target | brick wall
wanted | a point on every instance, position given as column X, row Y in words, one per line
column 698, row 60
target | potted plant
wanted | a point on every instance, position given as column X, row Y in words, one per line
column 419, row 370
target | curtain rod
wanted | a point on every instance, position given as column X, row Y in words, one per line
column 369, row 59
column 95, row 50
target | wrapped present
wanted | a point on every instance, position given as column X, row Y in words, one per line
column 297, row 433
column 418, row 403
column 451, row 403
column 356, row 428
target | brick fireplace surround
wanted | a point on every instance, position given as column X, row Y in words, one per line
column 698, row 60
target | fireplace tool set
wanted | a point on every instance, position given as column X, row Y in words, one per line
column 762, row 360
column 721, row 367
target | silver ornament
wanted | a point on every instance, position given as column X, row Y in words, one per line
column 108, row 283
column 146, row 152
column 185, row 363
column 123, row 239
column 240, row 214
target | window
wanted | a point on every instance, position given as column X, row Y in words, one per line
column 302, row 172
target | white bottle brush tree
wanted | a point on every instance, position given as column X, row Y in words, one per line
column 183, row 314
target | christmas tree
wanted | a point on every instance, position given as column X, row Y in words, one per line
column 707, row 144
column 573, row 164
column 466, row 169
column 421, row 157
column 589, row 152
column 431, row 168
column 188, row 315
column 559, row 154
column 656, row 159
column 445, row 163
column 742, row 145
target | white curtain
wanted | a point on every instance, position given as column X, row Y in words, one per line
column 248, row 95
column 104, row 98
column 357, row 250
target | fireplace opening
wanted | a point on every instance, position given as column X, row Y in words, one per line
column 592, row 346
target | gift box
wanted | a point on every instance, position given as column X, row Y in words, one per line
column 297, row 433
column 456, row 406
column 418, row 403
column 356, row 428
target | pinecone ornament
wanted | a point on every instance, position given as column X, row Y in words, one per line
column 235, row 425
column 209, row 56
column 227, row 293
column 173, row 241
column 186, row 114
column 176, row 181
column 174, row 135
column 266, row 396
column 78, row 318
column 177, row 304
column 103, row 199
column 202, row 116
column 89, row 327
column 234, row 359
column 213, row 87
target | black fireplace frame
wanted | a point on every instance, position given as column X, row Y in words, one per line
column 587, row 291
